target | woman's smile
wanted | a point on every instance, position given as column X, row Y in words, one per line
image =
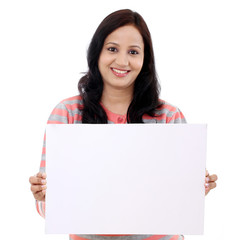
column 120, row 72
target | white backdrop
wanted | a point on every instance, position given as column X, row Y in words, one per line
column 42, row 54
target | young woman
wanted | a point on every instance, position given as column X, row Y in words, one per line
column 120, row 86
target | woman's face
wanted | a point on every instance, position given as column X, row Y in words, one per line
column 121, row 58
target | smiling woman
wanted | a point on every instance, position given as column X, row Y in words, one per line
column 120, row 87
column 121, row 59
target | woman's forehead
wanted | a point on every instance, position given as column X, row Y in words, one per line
column 125, row 35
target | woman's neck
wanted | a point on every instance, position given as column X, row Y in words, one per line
column 116, row 101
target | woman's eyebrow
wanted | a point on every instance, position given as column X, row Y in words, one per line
column 113, row 43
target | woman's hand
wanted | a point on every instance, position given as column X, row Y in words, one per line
column 38, row 186
column 210, row 182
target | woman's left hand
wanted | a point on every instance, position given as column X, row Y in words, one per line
column 210, row 182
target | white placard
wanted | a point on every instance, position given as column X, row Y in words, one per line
column 125, row 178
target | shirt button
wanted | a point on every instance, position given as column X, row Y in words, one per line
column 120, row 119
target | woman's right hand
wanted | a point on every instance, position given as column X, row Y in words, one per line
column 38, row 186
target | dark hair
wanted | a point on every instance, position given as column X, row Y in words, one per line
column 146, row 86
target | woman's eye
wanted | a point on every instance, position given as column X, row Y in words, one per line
column 112, row 49
column 133, row 52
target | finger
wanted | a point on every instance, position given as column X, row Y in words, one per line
column 37, row 180
column 41, row 175
column 44, row 175
column 210, row 185
column 38, row 188
column 213, row 178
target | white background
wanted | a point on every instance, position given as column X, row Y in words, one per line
column 42, row 54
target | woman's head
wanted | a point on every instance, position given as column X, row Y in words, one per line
column 145, row 85
column 112, row 22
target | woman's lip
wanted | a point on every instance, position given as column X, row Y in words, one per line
column 120, row 72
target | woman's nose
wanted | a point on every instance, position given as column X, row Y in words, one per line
column 122, row 59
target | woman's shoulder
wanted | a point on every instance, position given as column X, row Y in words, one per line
column 166, row 113
column 67, row 111
column 166, row 106
column 72, row 100
column 71, row 103
column 170, row 112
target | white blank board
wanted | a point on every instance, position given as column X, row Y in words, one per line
column 125, row 179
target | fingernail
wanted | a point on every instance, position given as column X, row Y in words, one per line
column 206, row 184
column 43, row 181
column 207, row 179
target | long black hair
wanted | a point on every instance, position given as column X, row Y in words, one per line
column 146, row 86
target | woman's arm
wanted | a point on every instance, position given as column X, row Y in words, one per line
column 59, row 115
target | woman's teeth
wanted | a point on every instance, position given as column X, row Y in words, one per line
column 119, row 71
